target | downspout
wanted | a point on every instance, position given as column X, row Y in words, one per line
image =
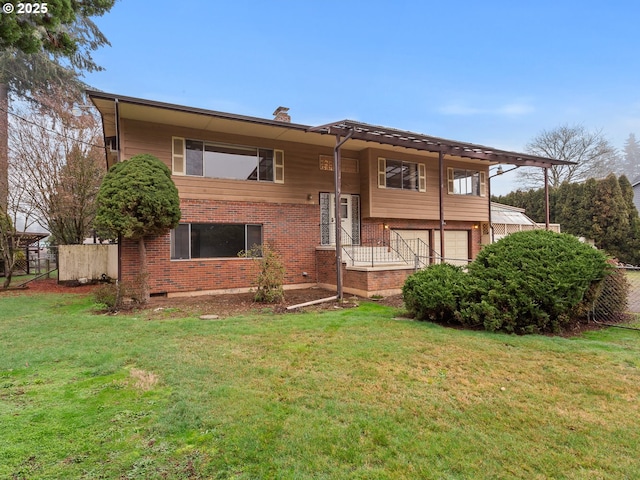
column 117, row 122
column 117, row 119
column 546, row 197
column 337, row 178
column 441, row 164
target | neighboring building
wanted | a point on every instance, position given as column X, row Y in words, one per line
column 245, row 180
column 636, row 193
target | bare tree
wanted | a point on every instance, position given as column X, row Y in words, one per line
column 595, row 157
column 17, row 220
column 59, row 158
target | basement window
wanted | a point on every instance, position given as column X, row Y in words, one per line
column 213, row 240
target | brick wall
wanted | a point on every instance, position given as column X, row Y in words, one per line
column 361, row 281
column 383, row 282
column 292, row 230
column 326, row 265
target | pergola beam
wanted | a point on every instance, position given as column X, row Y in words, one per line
column 425, row 143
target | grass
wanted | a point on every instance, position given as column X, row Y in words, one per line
column 634, row 278
column 349, row 393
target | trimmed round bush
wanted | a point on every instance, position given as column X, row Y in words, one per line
column 530, row 282
column 435, row 292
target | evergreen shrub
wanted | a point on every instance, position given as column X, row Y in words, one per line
column 270, row 278
column 528, row 282
column 435, row 292
column 534, row 280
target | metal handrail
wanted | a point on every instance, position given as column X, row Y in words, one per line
column 401, row 247
column 350, row 254
column 414, row 252
column 373, row 254
column 430, row 254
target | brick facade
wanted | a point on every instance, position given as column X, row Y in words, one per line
column 291, row 230
column 369, row 281
column 360, row 280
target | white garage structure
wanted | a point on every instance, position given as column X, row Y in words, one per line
column 506, row 219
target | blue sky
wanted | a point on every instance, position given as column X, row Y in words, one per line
column 494, row 72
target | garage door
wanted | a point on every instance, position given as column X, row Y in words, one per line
column 418, row 241
column 456, row 246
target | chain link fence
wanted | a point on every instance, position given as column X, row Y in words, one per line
column 623, row 286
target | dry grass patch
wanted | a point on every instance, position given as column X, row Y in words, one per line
column 143, row 380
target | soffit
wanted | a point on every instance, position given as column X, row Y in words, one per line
column 363, row 135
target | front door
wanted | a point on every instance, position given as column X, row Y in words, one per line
column 346, row 219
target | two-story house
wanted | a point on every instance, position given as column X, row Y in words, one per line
column 391, row 200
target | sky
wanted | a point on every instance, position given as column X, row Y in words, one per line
column 495, row 73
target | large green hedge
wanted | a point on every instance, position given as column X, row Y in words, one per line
column 528, row 282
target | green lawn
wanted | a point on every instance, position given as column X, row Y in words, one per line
column 634, row 277
column 350, row 393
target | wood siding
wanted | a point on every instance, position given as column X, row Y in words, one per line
column 302, row 174
column 395, row 203
column 304, row 180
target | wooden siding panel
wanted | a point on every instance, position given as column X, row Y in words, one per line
column 402, row 204
column 304, row 179
column 302, row 174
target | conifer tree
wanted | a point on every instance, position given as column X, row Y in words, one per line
column 138, row 199
column 43, row 50
column 610, row 215
column 599, row 210
column 572, row 213
column 631, row 161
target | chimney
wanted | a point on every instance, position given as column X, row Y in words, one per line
column 281, row 115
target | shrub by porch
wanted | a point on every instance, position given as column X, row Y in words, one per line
column 536, row 281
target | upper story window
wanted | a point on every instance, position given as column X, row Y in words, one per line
column 402, row 175
column 217, row 160
column 466, row 182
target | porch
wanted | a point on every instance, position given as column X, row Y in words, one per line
column 379, row 268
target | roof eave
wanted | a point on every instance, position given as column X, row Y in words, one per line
column 359, row 131
column 200, row 111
